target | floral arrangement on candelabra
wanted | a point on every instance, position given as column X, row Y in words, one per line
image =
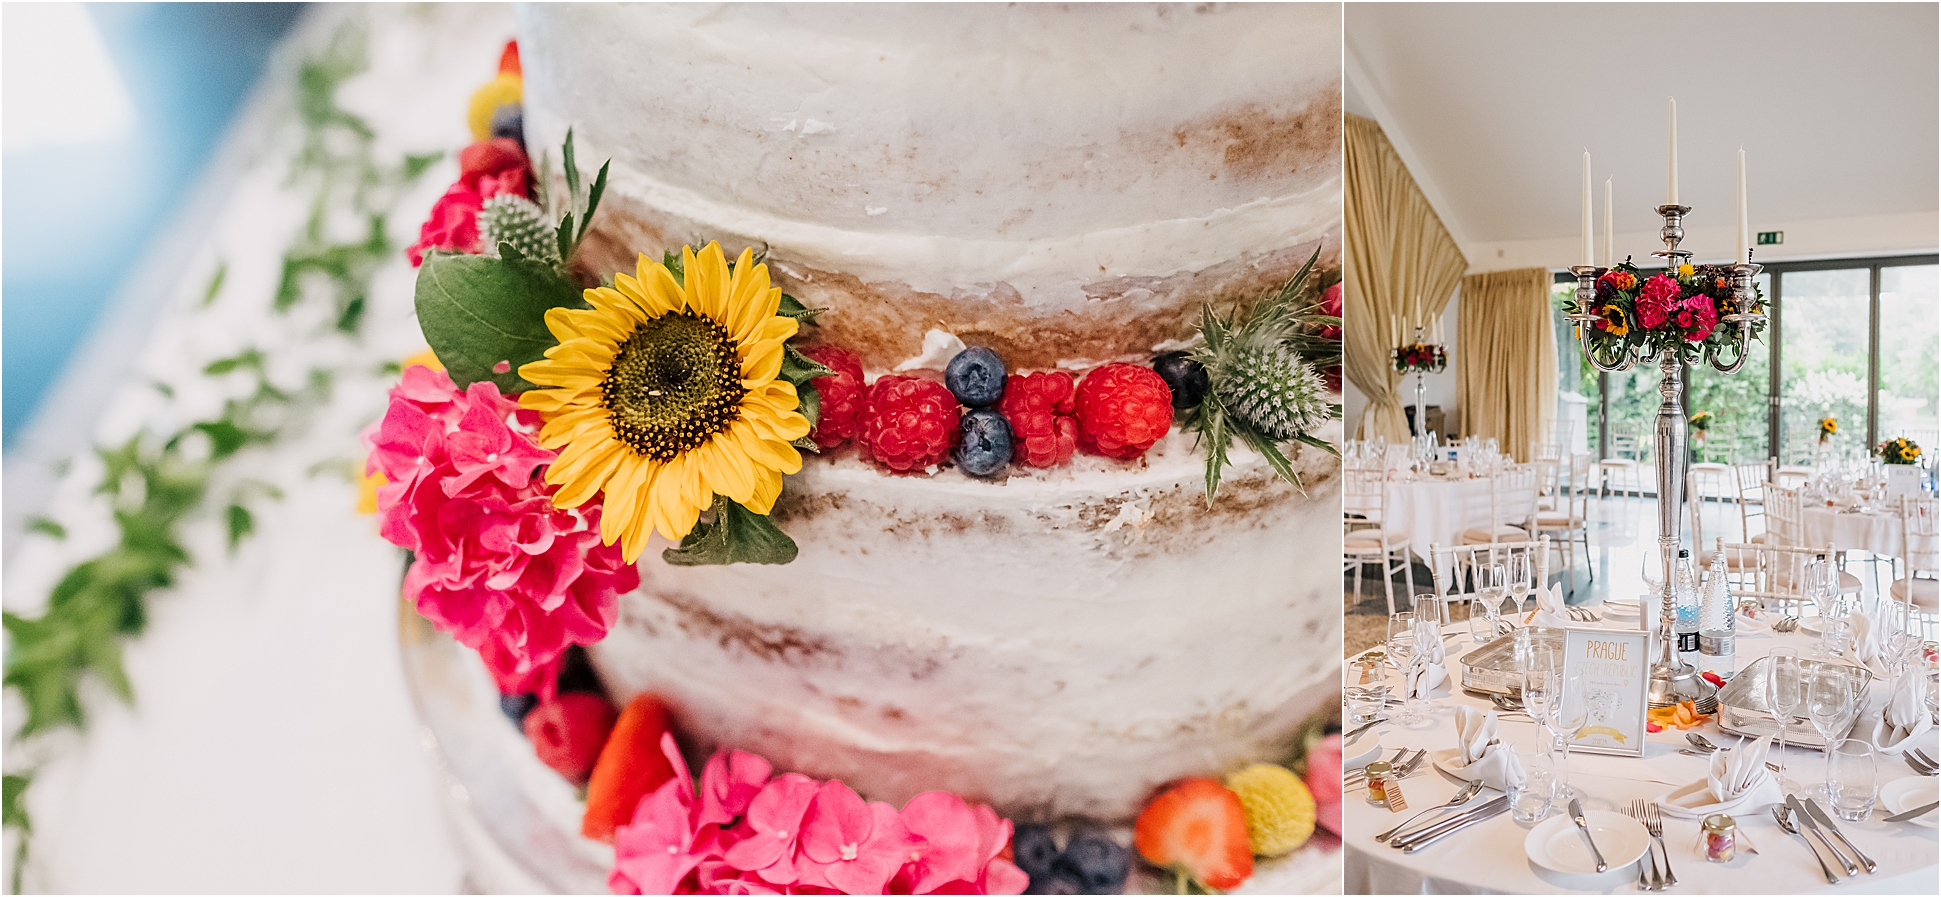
column 1828, row 427
column 1678, row 311
column 1898, row 450
column 1420, row 358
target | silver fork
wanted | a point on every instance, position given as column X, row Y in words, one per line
column 1785, row 624
column 1655, row 824
column 1648, row 865
column 1914, row 760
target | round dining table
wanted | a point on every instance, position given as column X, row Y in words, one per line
column 1433, row 509
column 1489, row 857
column 1876, row 532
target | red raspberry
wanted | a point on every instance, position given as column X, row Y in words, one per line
column 1039, row 406
column 1122, row 410
column 568, row 732
column 908, row 423
column 842, row 396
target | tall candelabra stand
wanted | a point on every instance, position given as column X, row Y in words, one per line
column 1672, row 680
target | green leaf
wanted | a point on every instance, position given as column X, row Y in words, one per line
column 674, row 262
column 215, row 284
column 416, row 164
column 46, row 526
column 592, row 202
column 736, row 535
column 793, row 307
column 1267, row 449
column 477, row 311
column 564, row 238
column 13, row 809
column 225, row 438
column 241, row 523
column 572, row 168
column 248, row 358
column 1213, row 430
column 808, row 402
column 799, row 369
column 352, row 317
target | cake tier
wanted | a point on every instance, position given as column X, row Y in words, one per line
column 1061, row 643
column 1064, row 183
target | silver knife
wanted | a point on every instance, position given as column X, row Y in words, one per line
column 1363, row 728
column 1444, row 826
column 1808, row 825
column 1577, row 816
column 1820, row 816
column 1914, row 813
column 1489, row 810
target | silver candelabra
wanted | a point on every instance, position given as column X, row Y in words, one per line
column 1672, row 679
column 1437, row 365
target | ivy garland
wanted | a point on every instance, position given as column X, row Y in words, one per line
column 155, row 482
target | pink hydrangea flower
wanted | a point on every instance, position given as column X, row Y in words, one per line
column 742, row 832
column 1655, row 301
column 1324, row 782
column 496, row 565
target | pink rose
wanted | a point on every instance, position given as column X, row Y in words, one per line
column 452, row 227
column 1655, row 301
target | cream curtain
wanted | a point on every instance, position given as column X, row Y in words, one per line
column 1506, row 358
column 1402, row 265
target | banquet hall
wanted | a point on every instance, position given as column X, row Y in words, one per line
column 1633, row 337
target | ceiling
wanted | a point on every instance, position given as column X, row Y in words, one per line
column 1492, row 106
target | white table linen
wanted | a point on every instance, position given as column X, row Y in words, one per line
column 1436, row 510
column 1878, row 532
column 1489, row 858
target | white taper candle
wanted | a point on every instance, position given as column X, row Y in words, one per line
column 1607, row 222
column 1589, row 258
column 1745, row 233
column 1671, row 195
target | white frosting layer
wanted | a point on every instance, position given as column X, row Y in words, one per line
column 938, row 146
column 1054, row 644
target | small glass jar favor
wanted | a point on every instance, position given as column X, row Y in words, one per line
column 1378, row 773
column 1721, row 838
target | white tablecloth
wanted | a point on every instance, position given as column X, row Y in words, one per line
column 1878, row 532
column 1435, row 510
column 1489, row 857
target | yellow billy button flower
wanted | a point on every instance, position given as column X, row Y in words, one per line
column 1280, row 809
column 505, row 89
column 1685, row 272
column 665, row 394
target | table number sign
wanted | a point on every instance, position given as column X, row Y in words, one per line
column 1608, row 671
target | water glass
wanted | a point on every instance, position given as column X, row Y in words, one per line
column 1530, row 800
column 1518, row 571
column 1484, row 614
column 1783, row 696
column 1851, row 777
column 1539, row 690
column 1401, row 638
column 1366, row 690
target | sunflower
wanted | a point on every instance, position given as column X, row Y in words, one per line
column 665, row 394
column 1613, row 322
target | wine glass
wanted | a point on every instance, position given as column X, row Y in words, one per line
column 1569, row 711
column 1518, row 567
column 1652, row 569
column 1830, row 708
column 1539, row 689
column 1783, row 697
column 1401, row 638
column 1366, row 690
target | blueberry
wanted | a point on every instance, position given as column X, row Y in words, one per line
column 509, row 120
column 515, row 707
column 1033, row 850
column 1097, row 862
column 975, row 376
column 1061, row 881
column 986, row 446
column 1186, row 378
column 576, row 673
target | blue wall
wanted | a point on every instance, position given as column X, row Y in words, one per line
column 77, row 219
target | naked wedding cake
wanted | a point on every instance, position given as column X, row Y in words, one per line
column 1020, row 490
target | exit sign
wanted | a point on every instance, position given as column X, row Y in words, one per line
column 1771, row 237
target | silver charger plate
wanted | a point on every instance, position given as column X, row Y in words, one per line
column 1743, row 709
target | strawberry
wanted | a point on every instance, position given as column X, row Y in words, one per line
column 1199, row 827
column 568, row 732
column 630, row 767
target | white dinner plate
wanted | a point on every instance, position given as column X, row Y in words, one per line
column 1904, row 794
column 1367, row 749
column 1810, row 625
column 1621, row 608
column 1557, row 845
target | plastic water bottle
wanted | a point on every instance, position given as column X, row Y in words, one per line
column 1717, row 625
column 1685, row 605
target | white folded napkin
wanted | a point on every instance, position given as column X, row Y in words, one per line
column 1737, row 782
column 1550, row 609
column 1480, row 755
column 1868, row 642
column 1428, row 664
column 1905, row 715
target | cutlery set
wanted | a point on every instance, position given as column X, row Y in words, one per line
column 1805, row 819
column 1920, row 762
